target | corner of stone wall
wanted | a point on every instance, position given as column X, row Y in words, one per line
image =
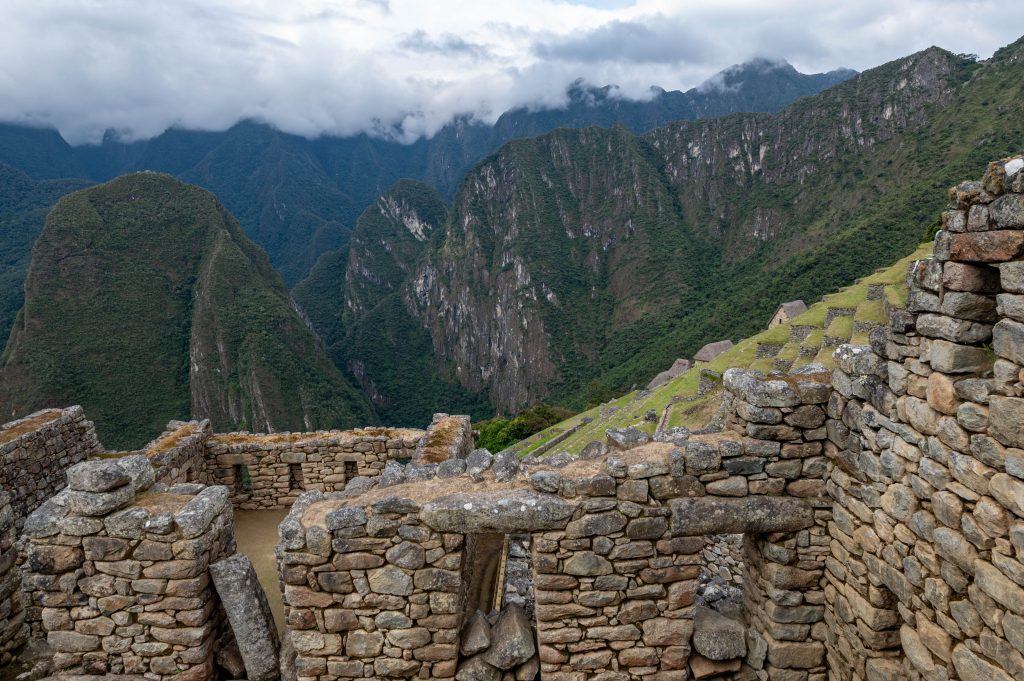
column 926, row 444
column 13, row 630
column 116, row 573
column 37, row 449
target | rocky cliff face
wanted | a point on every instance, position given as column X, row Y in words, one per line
column 145, row 300
column 595, row 254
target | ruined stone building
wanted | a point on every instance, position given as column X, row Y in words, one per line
column 786, row 312
column 879, row 509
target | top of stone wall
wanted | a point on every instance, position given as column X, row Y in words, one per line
column 243, row 441
column 27, row 427
column 448, row 437
column 120, row 496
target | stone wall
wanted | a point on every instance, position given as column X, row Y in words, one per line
column 379, row 578
column 180, row 454
column 271, row 471
column 116, row 572
column 36, row 450
column 13, row 631
column 926, row 450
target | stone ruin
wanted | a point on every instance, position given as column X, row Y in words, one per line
column 873, row 514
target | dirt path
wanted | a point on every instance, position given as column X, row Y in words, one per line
column 256, row 534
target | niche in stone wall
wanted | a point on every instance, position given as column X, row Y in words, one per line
column 243, row 481
column 295, row 479
column 351, row 470
column 497, row 636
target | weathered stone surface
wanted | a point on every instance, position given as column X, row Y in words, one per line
column 476, row 635
column 476, row 669
column 478, row 461
column 195, row 516
column 626, row 438
column 502, row 511
column 506, row 466
column 97, row 476
column 954, row 358
column 995, row 246
column 758, row 391
column 1006, row 420
column 248, row 611
column 1008, row 340
column 706, row 515
column 511, row 640
column 99, row 503
column 718, row 637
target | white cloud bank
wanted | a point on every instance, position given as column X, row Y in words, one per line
column 341, row 67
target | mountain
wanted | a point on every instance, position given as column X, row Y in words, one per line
column 24, row 203
column 298, row 198
column 595, row 257
column 145, row 302
column 358, row 299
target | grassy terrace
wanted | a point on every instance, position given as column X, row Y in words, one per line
column 680, row 394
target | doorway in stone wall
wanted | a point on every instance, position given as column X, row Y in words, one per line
column 720, row 618
column 497, row 636
column 351, row 470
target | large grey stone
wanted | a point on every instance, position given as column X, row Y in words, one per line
column 1011, row 276
column 1006, row 420
column 759, row 514
column 503, row 511
column 594, row 450
column 758, row 391
column 476, row 635
column 248, row 611
column 99, row 503
column 478, row 461
column 952, row 329
column 97, row 476
column 506, row 466
column 140, row 471
column 953, row 358
column 476, row 669
column 511, row 640
column 1008, row 340
column 196, row 515
column 718, row 637
column 626, row 438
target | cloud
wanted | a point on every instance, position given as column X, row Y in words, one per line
column 405, row 67
column 651, row 40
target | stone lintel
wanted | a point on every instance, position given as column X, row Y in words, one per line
column 720, row 515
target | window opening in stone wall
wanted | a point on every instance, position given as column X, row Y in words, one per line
column 497, row 584
column 351, row 470
column 243, row 481
column 295, row 481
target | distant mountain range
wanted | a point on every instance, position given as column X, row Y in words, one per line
column 298, row 198
column 580, row 260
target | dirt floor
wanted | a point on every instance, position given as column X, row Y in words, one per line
column 256, row 535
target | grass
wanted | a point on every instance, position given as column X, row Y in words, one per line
column 680, row 394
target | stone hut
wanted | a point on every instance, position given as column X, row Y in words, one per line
column 711, row 350
column 786, row 312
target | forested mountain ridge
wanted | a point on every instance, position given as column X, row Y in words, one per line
column 145, row 302
column 597, row 256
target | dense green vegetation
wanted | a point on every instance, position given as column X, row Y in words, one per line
column 145, row 302
column 499, row 433
column 24, row 203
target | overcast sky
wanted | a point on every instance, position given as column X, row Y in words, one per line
column 340, row 67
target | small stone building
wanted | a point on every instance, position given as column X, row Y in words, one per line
column 787, row 312
column 711, row 350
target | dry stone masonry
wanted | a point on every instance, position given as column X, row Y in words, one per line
column 36, row 450
column 863, row 524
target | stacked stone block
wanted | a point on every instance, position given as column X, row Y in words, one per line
column 36, row 450
column 116, row 572
column 13, row 631
column 926, row 431
column 325, row 462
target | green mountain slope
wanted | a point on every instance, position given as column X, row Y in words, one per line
column 146, row 302
column 24, row 203
column 594, row 257
column 692, row 399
